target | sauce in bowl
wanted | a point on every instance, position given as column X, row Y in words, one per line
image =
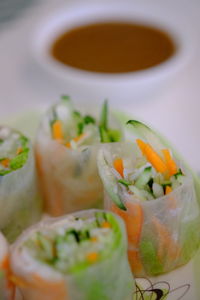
column 113, row 47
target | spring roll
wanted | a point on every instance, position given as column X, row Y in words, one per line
column 6, row 287
column 20, row 204
column 75, row 257
column 66, row 149
column 155, row 196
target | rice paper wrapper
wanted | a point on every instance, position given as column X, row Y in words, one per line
column 69, row 178
column 108, row 279
column 163, row 233
column 20, row 202
column 7, row 290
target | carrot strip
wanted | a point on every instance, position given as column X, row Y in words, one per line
column 94, row 239
column 141, row 145
column 168, row 190
column 105, row 224
column 5, row 162
column 92, row 257
column 57, row 130
column 119, row 166
column 41, row 289
column 76, row 139
column 165, row 241
column 171, row 165
column 152, row 156
column 133, row 219
column 10, row 286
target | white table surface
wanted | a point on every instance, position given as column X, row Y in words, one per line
column 175, row 112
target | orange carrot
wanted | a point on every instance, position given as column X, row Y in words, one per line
column 166, row 242
column 152, row 156
column 171, row 165
column 57, row 130
column 119, row 166
column 94, row 239
column 10, row 286
column 76, row 139
column 141, row 145
column 133, row 219
column 5, row 162
column 37, row 288
column 105, row 224
column 168, row 190
column 92, row 257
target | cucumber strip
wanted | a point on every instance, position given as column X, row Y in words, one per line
column 104, row 115
column 149, row 258
column 157, row 190
column 109, row 181
column 143, row 178
column 146, row 133
column 137, row 192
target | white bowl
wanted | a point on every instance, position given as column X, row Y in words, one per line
column 121, row 89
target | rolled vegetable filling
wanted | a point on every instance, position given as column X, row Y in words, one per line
column 14, row 150
column 82, row 254
column 155, row 196
column 19, row 200
column 66, row 149
column 75, row 130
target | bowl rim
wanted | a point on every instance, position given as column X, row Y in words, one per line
column 51, row 28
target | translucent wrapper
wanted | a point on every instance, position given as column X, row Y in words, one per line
column 20, row 204
column 98, row 281
column 6, row 287
column 69, row 178
column 163, row 233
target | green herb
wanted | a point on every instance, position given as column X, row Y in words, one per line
column 76, row 114
column 80, row 128
column 89, row 119
column 4, row 172
column 104, row 116
column 54, row 117
column 178, row 173
column 114, row 135
column 124, row 182
column 75, row 234
column 65, row 97
column 166, row 183
column 19, row 160
column 104, row 135
column 1, row 141
column 2, row 158
column 24, row 141
column 150, row 183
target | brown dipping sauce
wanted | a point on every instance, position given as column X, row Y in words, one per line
column 113, row 47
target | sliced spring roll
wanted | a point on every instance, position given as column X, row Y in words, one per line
column 155, row 196
column 66, row 148
column 6, row 287
column 76, row 257
column 20, row 204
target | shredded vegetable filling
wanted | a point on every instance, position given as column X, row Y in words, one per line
column 82, row 243
column 153, row 175
column 13, row 150
column 73, row 129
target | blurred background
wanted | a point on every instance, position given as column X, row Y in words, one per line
column 25, row 85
